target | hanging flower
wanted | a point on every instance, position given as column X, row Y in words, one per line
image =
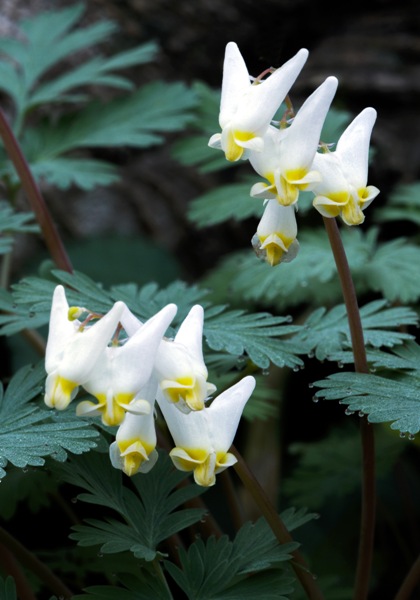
column 286, row 160
column 124, row 369
column 180, row 367
column 246, row 108
column 343, row 190
column 73, row 349
column 275, row 240
column 203, row 438
column 134, row 449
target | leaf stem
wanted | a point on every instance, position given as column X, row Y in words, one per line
column 29, row 560
column 367, row 525
column 51, row 236
column 411, row 580
column 279, row 529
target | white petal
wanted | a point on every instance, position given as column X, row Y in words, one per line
column 235, row 82
column 353, row 147
column 60, row 330
column 190, row 332
column 79, row 357
column 303, row 136
column 261, row 101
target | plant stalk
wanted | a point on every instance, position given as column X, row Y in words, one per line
column 301, row 569
column 49, row 231
column 29, row 560
column 367, row 524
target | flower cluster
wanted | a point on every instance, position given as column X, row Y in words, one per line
column 127, row 365
column 286, row 154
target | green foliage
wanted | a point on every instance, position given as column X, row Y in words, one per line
column 143, row 586
column 403, row 205
column 230, row 201
column 223, row 569
column 12, row 222
column 335, row 461
column 381, row 399
column 139, row 119
column 389, row 268
column 30, row 487
column 48, row 38
column 327, row 333
column 149, row 514
column 30, row 433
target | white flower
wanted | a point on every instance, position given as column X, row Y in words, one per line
column 343, row 190
column 286, row 160
column 203, row 438
column 246, row 108
column 134, row 449
column 180, row 367
column 124, row 370
column 73, row 349
column 275, row 240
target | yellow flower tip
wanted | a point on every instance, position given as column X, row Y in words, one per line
column 134, row 454
column 59, row 392
column 274, row 254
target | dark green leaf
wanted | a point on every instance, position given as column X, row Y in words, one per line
column 382, row 400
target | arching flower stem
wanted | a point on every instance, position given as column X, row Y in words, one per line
column 279, row 529
column 367, row 524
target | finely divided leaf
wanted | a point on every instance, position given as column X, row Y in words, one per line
column 220, row 568
column 258, row 335
column 382, row 400
column 29, row 433
column 327, row 333
column 150, row 515
column 230, row 201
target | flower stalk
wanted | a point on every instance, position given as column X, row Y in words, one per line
column 279, row 529
column 367, row 525
column 51, row 236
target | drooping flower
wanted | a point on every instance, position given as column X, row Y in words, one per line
column 288, row 154
column 342, row 189
column 124, row 370
column 203, row 438
column 73, row 349
column 134, row 449
column 275, row 240
column 246, row 108
column 180, row 367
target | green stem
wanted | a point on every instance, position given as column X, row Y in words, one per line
column 367, row 524
column 30, row 187
column 279, row 529
column 29, row 560
column 410, row 582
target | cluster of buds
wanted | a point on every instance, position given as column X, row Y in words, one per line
column 286, row 153
column 127, row 366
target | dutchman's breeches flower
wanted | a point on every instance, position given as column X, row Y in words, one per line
column 134, row 449
column 180, row 368
column 246, row 109
column 288, row 154
column 73, row 349
column 203, row 438
column 343, row 190
column 275, row 240
column 124, row 370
